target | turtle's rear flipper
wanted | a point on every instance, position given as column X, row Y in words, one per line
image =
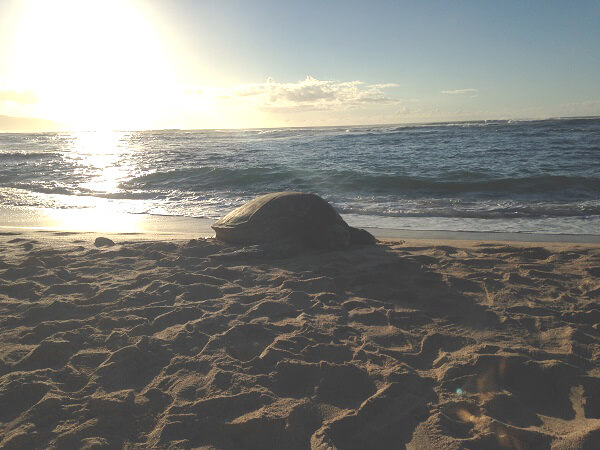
column 358, row 236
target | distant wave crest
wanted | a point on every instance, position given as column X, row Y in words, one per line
column 200, row 179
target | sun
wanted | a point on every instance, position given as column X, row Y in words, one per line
column 94, row 64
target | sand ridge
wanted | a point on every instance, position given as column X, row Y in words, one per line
column 154, row 344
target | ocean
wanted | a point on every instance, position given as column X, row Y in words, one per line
column 506, row 176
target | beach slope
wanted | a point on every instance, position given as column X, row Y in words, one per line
column 185, row 344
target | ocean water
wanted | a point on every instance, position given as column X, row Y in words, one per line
column 516, row 176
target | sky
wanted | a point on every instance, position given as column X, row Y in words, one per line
column 133, row 64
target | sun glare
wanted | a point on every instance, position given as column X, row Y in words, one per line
column 94, row 64
column 101, row 157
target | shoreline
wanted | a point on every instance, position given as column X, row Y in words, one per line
column 179, row 227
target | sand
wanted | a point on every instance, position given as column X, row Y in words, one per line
column 197, row 344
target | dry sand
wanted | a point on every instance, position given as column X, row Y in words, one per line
column 154, row 344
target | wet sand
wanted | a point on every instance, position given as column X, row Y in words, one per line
column 164, row 342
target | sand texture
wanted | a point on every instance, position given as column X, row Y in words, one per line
column 149, row 344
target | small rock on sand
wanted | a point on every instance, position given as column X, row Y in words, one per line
column 103, row 242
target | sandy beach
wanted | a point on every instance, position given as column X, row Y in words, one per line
column 285, row 225
column 162, row 343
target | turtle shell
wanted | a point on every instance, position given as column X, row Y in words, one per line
column 282, row 216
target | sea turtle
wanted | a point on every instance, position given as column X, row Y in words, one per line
column 294, row 217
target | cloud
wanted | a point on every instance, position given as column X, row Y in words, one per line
column 309, row 93
column 459, row 91
column 24, row 97
column 583, row 108
column 10, row 124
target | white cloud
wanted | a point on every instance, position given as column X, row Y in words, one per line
column 24, row 97
column 309, row 93
column 459, row 91
column 583, row 108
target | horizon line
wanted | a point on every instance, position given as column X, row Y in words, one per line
column 399, row 124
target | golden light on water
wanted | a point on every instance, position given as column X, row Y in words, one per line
column 102, row 156
column 99, row 219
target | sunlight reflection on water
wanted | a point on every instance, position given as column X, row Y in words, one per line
column 102, row 157
column 100, row 219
